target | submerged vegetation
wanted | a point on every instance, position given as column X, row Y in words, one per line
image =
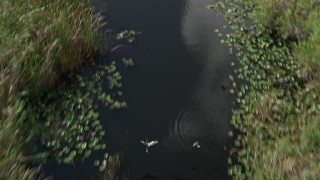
column 277, row 108
column 42, row 100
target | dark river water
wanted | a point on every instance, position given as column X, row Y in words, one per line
column 173, row 92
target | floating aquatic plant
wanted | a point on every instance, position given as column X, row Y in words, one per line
column 274, row 103
column 70, row 122
column 127, row 62
column 128, row 35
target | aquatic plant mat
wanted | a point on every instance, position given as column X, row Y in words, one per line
column 278, row 107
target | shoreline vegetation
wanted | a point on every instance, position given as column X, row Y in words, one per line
column 41, row 41
column 277, row 110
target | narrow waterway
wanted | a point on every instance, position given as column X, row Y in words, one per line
column 173, row 91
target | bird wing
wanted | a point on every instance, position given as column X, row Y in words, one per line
column 195, row 144
column 152, row 143
column 143, row 142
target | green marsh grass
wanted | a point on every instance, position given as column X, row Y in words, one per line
column 39, row 42
column 42, row 40
column 278, row 106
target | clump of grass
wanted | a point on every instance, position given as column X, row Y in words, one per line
column 39, row 41
column 293, row 20
column 12, row 157
column 112, row 167
column 42, row 40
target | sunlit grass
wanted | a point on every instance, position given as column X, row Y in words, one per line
column 39, row 41
column 42, row 40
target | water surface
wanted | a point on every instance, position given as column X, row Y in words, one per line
column 174, row 93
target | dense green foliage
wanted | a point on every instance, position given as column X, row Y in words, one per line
column 277, row 108
column 39, row 42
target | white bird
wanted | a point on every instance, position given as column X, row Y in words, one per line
column 196, row 144
column 149, row 144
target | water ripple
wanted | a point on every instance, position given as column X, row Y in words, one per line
column 183, row 132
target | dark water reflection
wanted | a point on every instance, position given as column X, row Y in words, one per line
column 173, row 92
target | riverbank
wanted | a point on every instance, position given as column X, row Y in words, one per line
column 277, row 111
column 39, row 42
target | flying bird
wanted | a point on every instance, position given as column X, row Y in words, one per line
column 148, row 144
column 196, row 144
